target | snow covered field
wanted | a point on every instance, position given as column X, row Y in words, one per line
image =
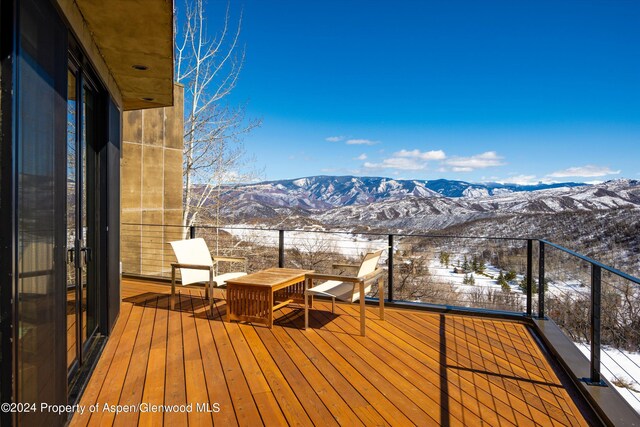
column 353, row 246
column 620, row 367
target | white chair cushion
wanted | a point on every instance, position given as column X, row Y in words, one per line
column 192, row 251
column 222, row 279
column 343, row 291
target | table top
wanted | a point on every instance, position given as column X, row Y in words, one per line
column 270, row 277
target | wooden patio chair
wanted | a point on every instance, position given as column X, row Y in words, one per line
column 197, row 266
column 348, row 288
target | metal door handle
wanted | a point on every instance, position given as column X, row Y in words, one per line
column 70, row 255
column 87, row 255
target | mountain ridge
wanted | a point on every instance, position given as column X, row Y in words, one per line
column 379, row 202
column 324, row 192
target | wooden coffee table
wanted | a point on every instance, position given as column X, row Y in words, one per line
column 254, row 297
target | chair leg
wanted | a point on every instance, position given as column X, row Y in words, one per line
column 333, row 305
column 172, row 301
column 306, row 311
column 362, row 311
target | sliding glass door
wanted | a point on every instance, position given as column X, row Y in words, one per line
column 80, row 220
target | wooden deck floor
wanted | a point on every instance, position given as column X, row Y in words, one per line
column 414, row 368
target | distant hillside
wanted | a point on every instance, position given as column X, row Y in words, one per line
column 611, row 236
column 326, row 192
column 600, row 220
column 427, row 214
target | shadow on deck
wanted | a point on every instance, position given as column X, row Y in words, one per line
column 413, row 368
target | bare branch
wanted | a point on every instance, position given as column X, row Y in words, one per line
column 209, row 68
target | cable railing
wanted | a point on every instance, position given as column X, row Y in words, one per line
column 595, row 305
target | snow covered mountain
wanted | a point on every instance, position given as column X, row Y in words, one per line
column 419, row 205
column 437, row 213
column 325, row 192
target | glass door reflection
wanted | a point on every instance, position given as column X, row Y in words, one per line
column 81, row 283
column 72, row 309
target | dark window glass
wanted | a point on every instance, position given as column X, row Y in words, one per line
column 72, row 351
column 41, row 132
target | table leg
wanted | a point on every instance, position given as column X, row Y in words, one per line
column 230, row 303
column 270, row 311
column 307, row 284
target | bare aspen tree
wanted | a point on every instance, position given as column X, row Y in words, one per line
column 208, row 67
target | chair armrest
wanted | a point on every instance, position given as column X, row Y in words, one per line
column 352, row 279
column 373, row 275
column 344, row 266
column 191, row 266
column 229, row 259
column 349, row 269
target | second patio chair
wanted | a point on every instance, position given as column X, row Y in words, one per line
column 197, row 266
column 349, row 288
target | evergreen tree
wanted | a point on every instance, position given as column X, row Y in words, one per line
column 481, row 266
column 444, row 259
column 502, row 281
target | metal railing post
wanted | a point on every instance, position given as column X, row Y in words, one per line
column 541, row 282
column 192, row 231
column 529, row 277
column 596, row 289
column 281, row 248
column 390, row 272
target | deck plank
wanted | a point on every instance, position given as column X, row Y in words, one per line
column 195, row 380
column 361, row 407
column 292, row 408
column 413, row 368
column 406, row 395
column 313, row 402
column 154, row 385
column 244, row 404
column 92, row 391
column 331, row 398
column 217, row 388
column 136, row 373
column 175, row 390
column 116, row 376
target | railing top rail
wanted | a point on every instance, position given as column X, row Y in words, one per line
column 593, row 262
column 585, row 258
column 363, row 233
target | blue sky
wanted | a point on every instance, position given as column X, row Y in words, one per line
column 512, row 91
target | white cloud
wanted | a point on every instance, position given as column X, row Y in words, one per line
column 411, row 160
column 362, row 156
column 360, row 141
column 423, row 155
column 479, row 161
column 334, row 138
column 521, row 180
column 401, row 163
column 586, row 171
